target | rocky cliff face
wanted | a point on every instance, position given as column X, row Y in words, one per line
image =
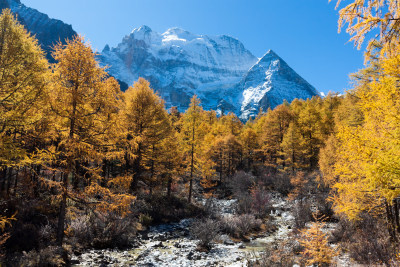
column 48, row 31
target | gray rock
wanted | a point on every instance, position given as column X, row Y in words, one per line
column 190, row 255
column 226, row 240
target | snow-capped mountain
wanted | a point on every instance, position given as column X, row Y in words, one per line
column 219, row 69
column 179, row 64
column 48, row 31
column 268, row 83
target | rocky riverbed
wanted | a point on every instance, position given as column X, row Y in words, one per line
column 172, row 244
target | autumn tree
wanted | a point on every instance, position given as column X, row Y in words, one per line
column 363, row 17
column 225, row 152
column 291, row 149
column 275, row 125
column 171, row 161
column 249, row 141
column 316, row 245
column 84, row 103
column 368, row 151
column 309, row 124
column 191, row 135
column 145, row 124
column 23, row 80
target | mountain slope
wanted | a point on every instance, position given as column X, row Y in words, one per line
column 179, row 64
column 48, row 31
column 219, row 69
column 268, row 83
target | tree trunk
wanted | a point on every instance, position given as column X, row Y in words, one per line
column 16, row 183
column 9, row 178
column 190, row 191
column 61, row 217
column 396, row 214
column 390, row 222
column 191, row 172
column 136, row 169
column 169, row 184
column 3, row 179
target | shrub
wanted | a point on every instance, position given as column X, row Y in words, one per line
column 102, row 230
column 366, row 240
column 206, row 231
column 239, row 226
column 273, row 180
column 145, row 219
column 240, row 183
column 80, row 231
column 280, row 254
column 110, row 230
column 260, row 201
column 50, row 256
column 302, row 213
column 245, row 203
column 163, row 209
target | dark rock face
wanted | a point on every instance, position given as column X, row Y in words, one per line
column 48, row 31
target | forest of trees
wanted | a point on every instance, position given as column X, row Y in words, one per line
column 73, row 145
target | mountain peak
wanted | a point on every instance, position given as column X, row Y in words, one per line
column 269, row 83
column 269, row 56
column 176, row 30
column 178, row 34
column 144, row 33
column 270, row 52
column 142, row 29
column 106, row 49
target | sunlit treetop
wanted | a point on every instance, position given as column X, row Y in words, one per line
column 367, row 17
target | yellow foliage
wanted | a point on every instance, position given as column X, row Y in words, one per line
column 369, row 152
column 108, row 201
column 299, row 183
column 363, row 17
column 4, row 221
column 316, row 246
column 24, row 74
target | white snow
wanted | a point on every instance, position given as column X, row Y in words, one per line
column 219, row 69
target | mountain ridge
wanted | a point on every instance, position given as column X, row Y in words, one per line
column 47, row 30
column 225, row 75
column 219, row 69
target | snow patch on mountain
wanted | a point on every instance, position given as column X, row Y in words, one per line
column 219, row 69
column 179, row 64
column 269, row 83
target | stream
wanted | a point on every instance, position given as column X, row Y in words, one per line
column 172, row 245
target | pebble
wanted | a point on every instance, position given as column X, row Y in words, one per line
column 178, row 248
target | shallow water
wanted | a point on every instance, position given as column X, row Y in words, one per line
column 171, row 245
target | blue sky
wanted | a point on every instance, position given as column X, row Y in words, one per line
column 303, row 32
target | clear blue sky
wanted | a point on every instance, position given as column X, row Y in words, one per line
column 302, row 32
